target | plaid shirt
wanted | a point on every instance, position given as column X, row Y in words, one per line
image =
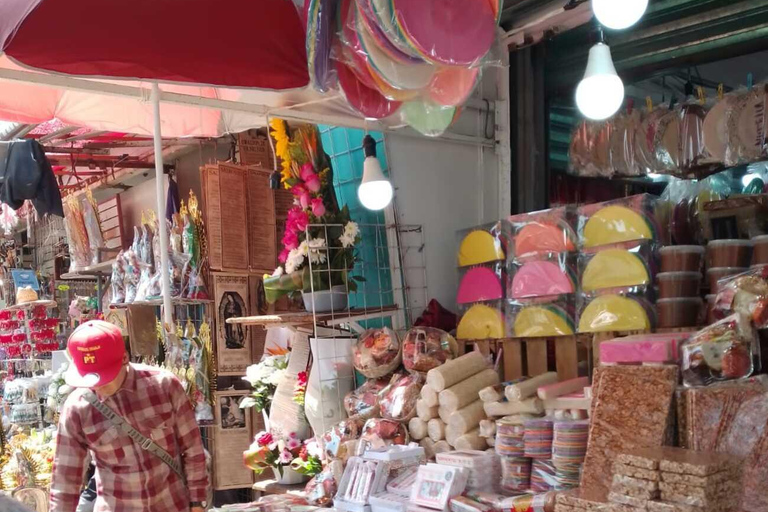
column 128, row 478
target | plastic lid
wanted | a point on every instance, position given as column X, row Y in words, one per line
column 683, row 248
column 663, row 276
column 730, row 241
column 760, row 238
column 733, row 270
column 679, row 300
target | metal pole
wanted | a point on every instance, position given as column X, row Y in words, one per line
column 160, row 191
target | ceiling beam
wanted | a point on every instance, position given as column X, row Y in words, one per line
column 147, row 143
column 57, row 134
column 84, row 136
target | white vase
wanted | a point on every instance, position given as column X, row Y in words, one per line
column 330, row 379
column 326, row 301
column 287, row 476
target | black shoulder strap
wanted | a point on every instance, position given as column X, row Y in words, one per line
column 144, row 442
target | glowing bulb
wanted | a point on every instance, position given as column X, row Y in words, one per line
column 619, row 14
column 375, row 191
column 600, row 93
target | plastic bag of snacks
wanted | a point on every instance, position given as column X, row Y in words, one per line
column 363, row 402
column 377, row 352
column 322, row 488
column 725, row 350
column 745, row 293
column 425, row 348
column 334, row 439
column 379, row 433
column 398, row 400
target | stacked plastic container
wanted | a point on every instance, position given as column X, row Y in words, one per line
column 679, row 281
column 483, row 468
column 482, row 260
column 618, row 241
column 542, row 269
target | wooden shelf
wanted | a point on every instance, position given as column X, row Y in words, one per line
column 33, row 304
column 159, row 302
column 307, row 318
column 90, row 272
column 272, row 487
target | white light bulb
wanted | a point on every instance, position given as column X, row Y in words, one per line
column 600, row 93
column 619, row 14
column 375, row 195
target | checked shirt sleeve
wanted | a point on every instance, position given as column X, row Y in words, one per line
column 69, row 461
column 190, row 443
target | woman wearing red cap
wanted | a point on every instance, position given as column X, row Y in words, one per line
column 136, row 423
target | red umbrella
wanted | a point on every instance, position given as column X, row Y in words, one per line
column 237, row 43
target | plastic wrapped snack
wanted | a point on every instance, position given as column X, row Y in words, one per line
column 398, row 400
column 553, row 274
column 378, row 433
column 614, row 312
column 483, row 244
column 547, row 316
column 377, row 352
column 628, row 265
column 321, row 489
column 482, row 284
column 363, row 402
column 745, row 293
column 541, row 233
column 425, row 348
column 621, row 220
column 515, row 474
column 77, row 234
column 725, row 350
column 745, row 126
column 334, row 439
column 481, row 322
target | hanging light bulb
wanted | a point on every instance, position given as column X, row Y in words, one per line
column 375, row 191
column 619, row 14
column 601, row 92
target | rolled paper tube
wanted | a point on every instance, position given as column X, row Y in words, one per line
column 441, row 447
column 429, row 447
column 429, row 396
column 529, row 406
column 568, row 402
column 451, row 435
column 466, row 391
column 493, row 393
column 424, row 411
column 417, row 428
column 456, row 370
column 470, row 441
column 528, row 388
column 487, row 428
column 444, row 414
column 436, row 429
column 467, row 418
column 562, row 388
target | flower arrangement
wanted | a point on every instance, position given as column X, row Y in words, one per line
column 317, row 231
column 300, row 389
column 269, row 451
column 308, row 462
column 264, row 378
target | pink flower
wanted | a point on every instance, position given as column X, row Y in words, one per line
column 283, row 256
column 299, row 218
column 304, row 199
column 264, row 439
column 285, row 457
column 307, row 171
column 298, row 189
column 318, row 208
column 293, row 435
column 290, row 240
column 302, row 381
column 313, row 183
column 292, row 444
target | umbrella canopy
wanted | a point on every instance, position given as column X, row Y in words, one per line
column 238, row 43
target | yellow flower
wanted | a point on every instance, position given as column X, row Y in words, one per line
column 282, row 143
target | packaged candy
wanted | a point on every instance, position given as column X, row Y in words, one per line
column 544, row 316
column 543, row 476
column 542, row 233
column 614, row 312
column 483, row 244
column 746, row 294
column 398, row 400
column 363, row 402
column 334, row 439
column 482, row 321
column 621, row 266
column 378, row 433
column 621, row 220
column 552, row 274
column 377, row 352
column 482, row 284
column 321, row 489
column 425, row 348
column 722, row 351
column 515, row 474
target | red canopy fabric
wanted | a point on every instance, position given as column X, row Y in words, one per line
column 237, row 43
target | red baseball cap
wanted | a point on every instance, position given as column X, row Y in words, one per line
column 96, row 349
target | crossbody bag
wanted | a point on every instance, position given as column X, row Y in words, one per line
column 144, row 442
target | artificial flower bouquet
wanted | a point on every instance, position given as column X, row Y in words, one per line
column 319, row 235
column 264, row 378
column 268, row 450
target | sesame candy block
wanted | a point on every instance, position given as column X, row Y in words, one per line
column 700, row 481
column 666, row 506
column 634, row 492
column 621, row 499
column 637, row 461
column 709, row 493
column 579, row 499
column 618, row 507
column 636, row 482
column 644, row 474
column 688, row 462
column 559, row 507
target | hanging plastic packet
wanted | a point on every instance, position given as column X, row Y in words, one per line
column 92, row 225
